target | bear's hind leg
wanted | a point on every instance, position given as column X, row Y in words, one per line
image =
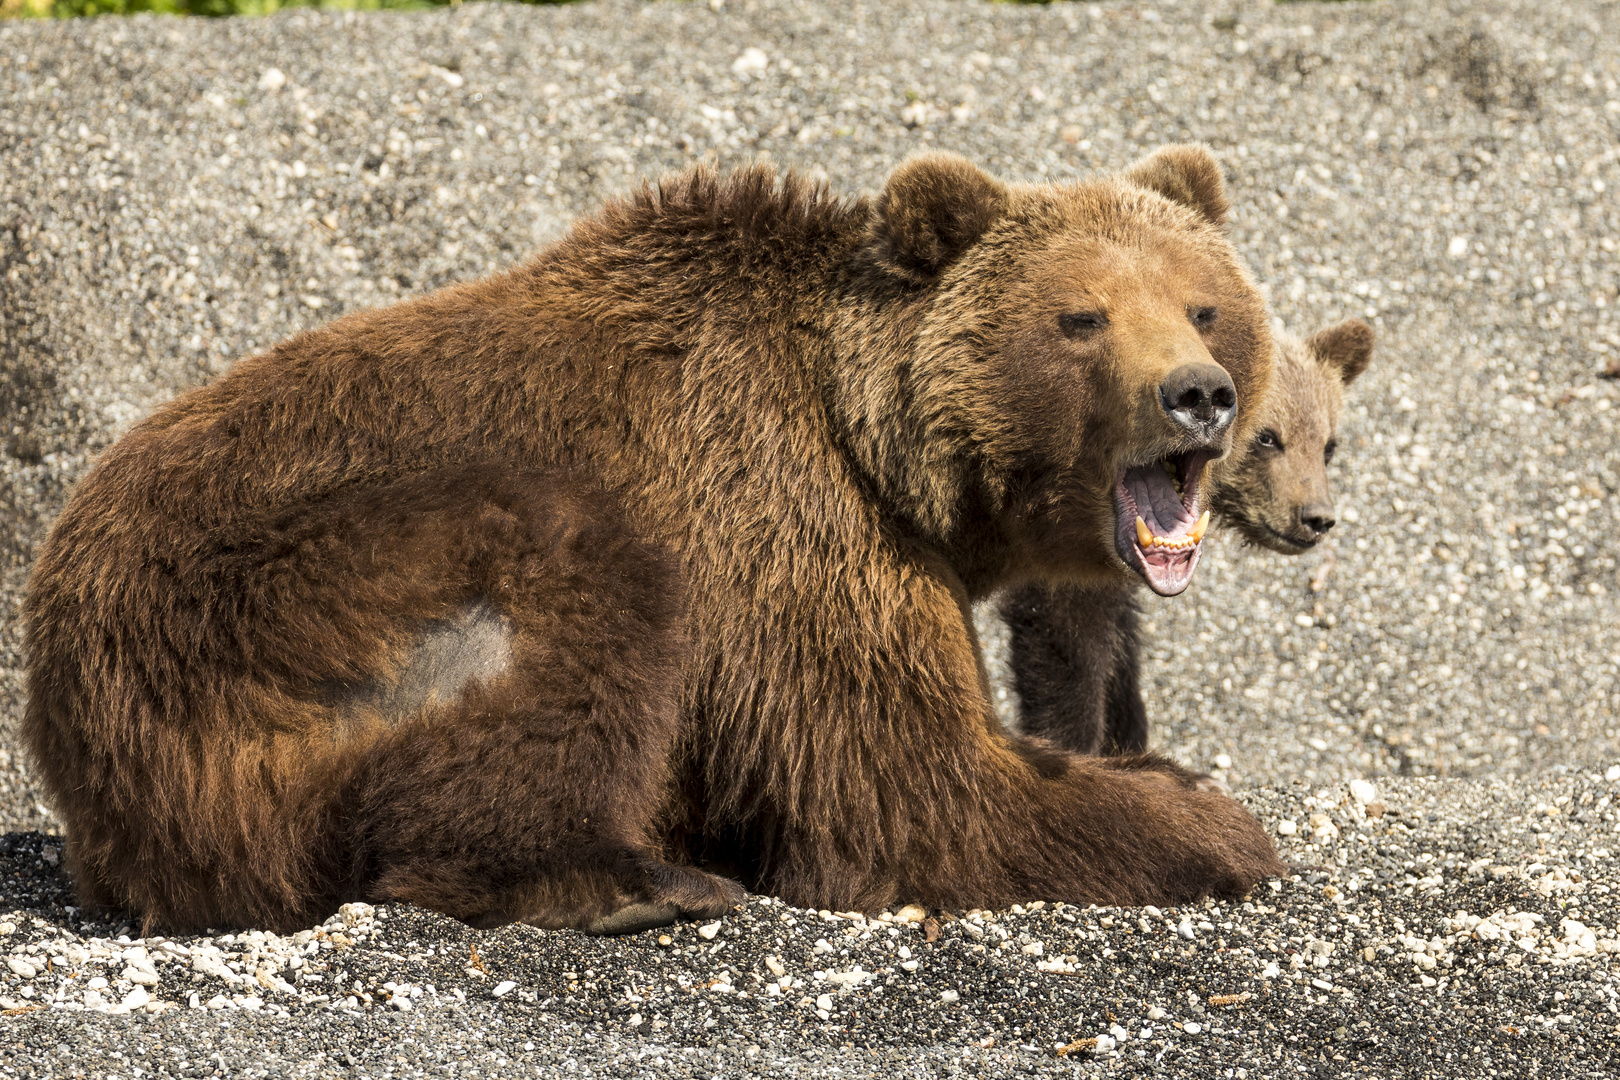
column 520, row 758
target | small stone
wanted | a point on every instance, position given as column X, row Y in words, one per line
column 1119, row 1033
column 1363, row 792
column 824, row 1003
column 137, row 998
column 909, row 965
column 1034, row 948
column 20, row 967
column 94, row 1000
column 139, row 977
column 504, row 988
column 1612, row 773
column 220, row 1001
column 1322, row 984
column 1223, row 761
column 1186, row 929
column 708, row 931
column 1287, row 827
column 1458, row 247
column 911, row 913
column 903, row 952
column 751, row 62
column 776, row 966
column 272, row 79
column 665, row 941
column 97, row 983
column 949, row 996
column 822, row 945
column 1156, row 1013
column 1192, row 1027
column 1105, row 1043
column 402, row 1002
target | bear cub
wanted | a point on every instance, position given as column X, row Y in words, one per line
column 1074, row 650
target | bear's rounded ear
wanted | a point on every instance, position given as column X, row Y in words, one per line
column 1187, row 174
column 1346, row 346
column 934, row 207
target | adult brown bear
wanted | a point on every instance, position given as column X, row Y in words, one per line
column 1074, row 649
column 533, row 597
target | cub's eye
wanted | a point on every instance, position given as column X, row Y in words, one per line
column 1082, row 324
column 1268, row 440
column 1327, row 452
column 1202, row 317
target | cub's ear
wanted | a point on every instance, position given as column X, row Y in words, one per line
column 1346, row 346
column 1187, row 174
column 934, row 207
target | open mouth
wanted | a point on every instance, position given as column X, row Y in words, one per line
column 1160, row 519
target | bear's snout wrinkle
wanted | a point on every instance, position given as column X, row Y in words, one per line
column 1201, row 399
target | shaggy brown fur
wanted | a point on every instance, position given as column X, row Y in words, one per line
column 1075, row 649
column 394, row 611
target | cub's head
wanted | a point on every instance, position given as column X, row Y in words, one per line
column 1276, row 491
column 1079, row 355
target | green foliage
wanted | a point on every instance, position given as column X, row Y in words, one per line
column 68, row 9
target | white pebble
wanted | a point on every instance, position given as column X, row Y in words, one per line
column 776, row 966
column 1458, row 247
column 1223, row 761
column 1612, row 774
column 1034, row 948
column 909, row 965
column 504, row 988
column 903, row 952
column 751, row 62
column 1105, row 1043
column 1363, row 792
column 911, row 913
column 823, row 946
column 402, row 1002
column 708, row 930
column 1156, row 1013
column 1119, row 1033
column 824, row 1003
column 140, row 977
column 20, row 967
column 272, row 79
column 137, row 998
column 1186, row 929
column 1192, row 1027
column 949, row 996
column 1287, row 827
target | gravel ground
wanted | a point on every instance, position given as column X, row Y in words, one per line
column 175, row 194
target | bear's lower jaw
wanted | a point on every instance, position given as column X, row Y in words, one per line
column 1160, row 522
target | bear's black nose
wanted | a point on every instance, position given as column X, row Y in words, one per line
column 1201, row 399
column 1318, row 517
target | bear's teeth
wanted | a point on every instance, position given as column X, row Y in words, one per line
column 1199, row 529
column 1143, row 535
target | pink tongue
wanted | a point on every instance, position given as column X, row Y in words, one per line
column 1156, row 499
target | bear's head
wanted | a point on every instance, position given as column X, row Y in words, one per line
column 1276, row 491
column 1065, row 363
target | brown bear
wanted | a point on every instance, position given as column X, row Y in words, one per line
column 1073, row 650
column 542, row 597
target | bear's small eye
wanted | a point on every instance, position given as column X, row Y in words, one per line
column 1327, row 451
column 1268, row 440
column 1202, row 317
column 1082, row 324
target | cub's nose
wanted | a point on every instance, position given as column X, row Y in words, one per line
column 1201, row 399
column 1318, row 516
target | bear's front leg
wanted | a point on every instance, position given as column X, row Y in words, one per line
column 907, row 789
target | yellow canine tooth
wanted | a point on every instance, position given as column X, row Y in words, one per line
column 1199, row 529
column 1143, row 536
